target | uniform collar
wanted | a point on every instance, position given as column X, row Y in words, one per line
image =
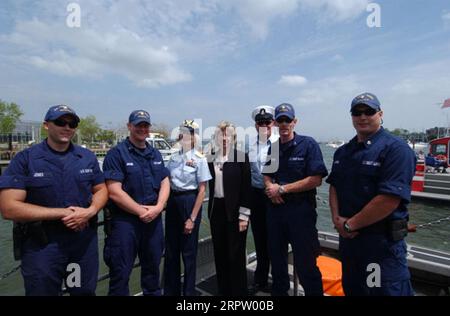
column 293, row 142
column 272, row 139
column 148, row 150
column 370, row 141
column 45, row 149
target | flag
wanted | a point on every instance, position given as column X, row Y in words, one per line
column 446, row 104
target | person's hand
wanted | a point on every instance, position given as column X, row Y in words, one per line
column 78, row 219
column 188, row 226
column 277, row 200
column 243, row 225
column 272, row 190
column 338, row 222
column 150, row 213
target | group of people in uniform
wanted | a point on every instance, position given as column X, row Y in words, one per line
column 54, row 190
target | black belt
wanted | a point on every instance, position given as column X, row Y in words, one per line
column 393, row 229
column 178, row 193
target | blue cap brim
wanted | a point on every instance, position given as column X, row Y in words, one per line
column 138, row 121
column 289, row 115
column 369, row 104
column 57, row 116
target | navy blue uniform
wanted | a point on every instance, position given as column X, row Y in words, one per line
column 141, row 173
column 57, row 180
column 383, row 164
column 294, row 221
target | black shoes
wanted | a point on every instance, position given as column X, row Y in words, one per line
column 253, row 289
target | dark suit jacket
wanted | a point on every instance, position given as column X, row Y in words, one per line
column 236, row 184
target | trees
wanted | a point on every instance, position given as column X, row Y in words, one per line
column 88, row 129
column 10, row 114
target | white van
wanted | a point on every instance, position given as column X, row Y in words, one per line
column 163, row 146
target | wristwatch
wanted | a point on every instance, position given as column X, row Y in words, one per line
column 281, row 190
column 347, row 228
column 192, row 219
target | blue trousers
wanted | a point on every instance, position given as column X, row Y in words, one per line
column 179, row 209
column 294, row 223
column 365, row 249
column 44, row 269
column 130, row 237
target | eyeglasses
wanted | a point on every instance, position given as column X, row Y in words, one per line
column 264, row 122
column 62, row 123
column 366, row 112
column 284, row 119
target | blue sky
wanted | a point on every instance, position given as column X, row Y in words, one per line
column 218, row 59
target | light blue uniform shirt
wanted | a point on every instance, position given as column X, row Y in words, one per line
column 258, row 158
column 188, row 170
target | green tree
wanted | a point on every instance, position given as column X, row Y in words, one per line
column 89, row 128
column 44, row 132
column 10, row 114
column 106, row 136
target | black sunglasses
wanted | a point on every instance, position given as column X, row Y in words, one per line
column 62, row 123
column 284, row 119
column 366, row 112
column 264, row 122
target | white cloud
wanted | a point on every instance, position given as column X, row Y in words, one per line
column 147, row 42
column 258, row 14
column 293, row 80
column 88, row 52
column 330, row 92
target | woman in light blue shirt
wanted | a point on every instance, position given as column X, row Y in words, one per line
column 189, row 174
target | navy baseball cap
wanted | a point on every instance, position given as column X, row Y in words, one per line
column 284, row 109
column 368, row 99
column 57, row 111
column 139, row 116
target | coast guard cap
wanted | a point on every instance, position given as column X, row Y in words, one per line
column 284, row 109
column 56, row 111
column 139, row 116
column 368, row 99
column 263, row 112
column 189, row 125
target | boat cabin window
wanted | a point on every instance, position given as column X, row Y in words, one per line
column 439, row 149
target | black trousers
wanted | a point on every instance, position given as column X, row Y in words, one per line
column 259, row 229
column 229, row 252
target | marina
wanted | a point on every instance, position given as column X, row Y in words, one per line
column 428, row 249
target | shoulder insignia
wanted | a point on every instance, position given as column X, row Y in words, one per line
column 199, row 154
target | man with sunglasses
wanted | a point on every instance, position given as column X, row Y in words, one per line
column 53, row 192
column 370, row 188
column 292, row 213
column 258, row 150
column 139, row 187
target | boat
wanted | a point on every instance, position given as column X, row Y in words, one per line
column 432, row 177
column 429, row 268
column 417, row 146
column 335, row 144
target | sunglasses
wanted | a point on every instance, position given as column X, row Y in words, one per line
column 63, row 123
column 366, row 112
column 284, row 119
column 264, row 122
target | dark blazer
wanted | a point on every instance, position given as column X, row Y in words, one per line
column 236, row 184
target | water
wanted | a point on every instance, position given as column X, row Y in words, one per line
column 421, row 211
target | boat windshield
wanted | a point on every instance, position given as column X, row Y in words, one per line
column 439, row 149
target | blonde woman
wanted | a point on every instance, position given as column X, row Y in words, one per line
column 229, row 210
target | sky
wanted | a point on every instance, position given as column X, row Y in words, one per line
column 218, row 59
